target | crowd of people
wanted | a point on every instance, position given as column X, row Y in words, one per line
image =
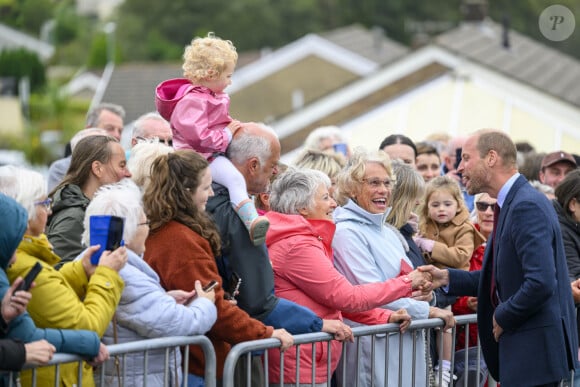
column 340, row 238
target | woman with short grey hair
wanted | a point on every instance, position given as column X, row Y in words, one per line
column 299, row 244
column 294, row 190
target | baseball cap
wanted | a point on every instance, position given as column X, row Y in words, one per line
column 556, row 157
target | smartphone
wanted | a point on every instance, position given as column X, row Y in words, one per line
column 340, row 148
column 29, row 278
column 234, row 284
column 210, row 286
column 107, row 231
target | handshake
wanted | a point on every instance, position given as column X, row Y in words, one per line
column 428, row 277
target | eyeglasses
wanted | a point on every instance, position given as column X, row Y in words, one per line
column 376, row 183
column 46, row 203
column 483, row 206
column 166, row 141
column 145, row 223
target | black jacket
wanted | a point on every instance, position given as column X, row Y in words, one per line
column 12, row 355
column 571, row 238
column 252, row 264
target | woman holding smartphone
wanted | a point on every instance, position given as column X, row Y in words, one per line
column 146, row 310
column 79, row 295
column 16, row 324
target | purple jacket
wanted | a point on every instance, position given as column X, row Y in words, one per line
column 198, row 116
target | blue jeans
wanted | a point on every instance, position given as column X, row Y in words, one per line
column 195, row 381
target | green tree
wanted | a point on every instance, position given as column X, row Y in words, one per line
column 68, row 23
column 22, row 63
column 33, row 14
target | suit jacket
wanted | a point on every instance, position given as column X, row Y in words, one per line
column 539, row 343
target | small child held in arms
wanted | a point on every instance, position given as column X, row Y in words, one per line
column 198, row 110
column 447, row 239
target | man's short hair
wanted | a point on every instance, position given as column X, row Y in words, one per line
column 94, row 113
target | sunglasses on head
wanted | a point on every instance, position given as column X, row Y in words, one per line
column 483, row 206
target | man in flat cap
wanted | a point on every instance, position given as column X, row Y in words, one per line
column 555, row 166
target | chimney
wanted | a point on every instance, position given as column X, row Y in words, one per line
column 505, row 32
column 378, row 37
column 474, row 10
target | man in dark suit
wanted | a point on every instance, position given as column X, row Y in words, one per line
column 525, row 311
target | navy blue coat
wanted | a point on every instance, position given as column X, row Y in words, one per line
column 539, row 344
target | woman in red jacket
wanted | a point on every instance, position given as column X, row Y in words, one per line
column 299, row 243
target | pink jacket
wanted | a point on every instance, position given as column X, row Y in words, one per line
column 301, row 255
column 198, row 116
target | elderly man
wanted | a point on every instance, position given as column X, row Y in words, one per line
column 555, row 166
column 106, row 116
column 255, row 152
column 149, row 126
column 525, row 311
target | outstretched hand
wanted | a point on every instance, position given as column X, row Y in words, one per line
column 439, row 277
column 420, row 280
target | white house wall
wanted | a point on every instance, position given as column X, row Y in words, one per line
column 459, row 105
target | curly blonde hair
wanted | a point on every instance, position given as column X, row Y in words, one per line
column 207, row 58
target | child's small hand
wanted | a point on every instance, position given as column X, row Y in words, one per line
column 234, row 127
column 424, row 243
column 472, row 303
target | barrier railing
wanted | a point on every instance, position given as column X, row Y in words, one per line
column 123, row 349
column 418, row 329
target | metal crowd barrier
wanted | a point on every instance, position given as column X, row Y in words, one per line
column 121, row 350
column 242, row 351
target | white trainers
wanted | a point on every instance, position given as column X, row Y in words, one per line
column 444, row 378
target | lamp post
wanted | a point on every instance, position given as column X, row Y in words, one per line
column 109, row 29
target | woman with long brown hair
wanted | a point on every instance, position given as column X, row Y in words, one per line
column 182, row 246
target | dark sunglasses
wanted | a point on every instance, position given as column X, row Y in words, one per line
column 483, row 206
